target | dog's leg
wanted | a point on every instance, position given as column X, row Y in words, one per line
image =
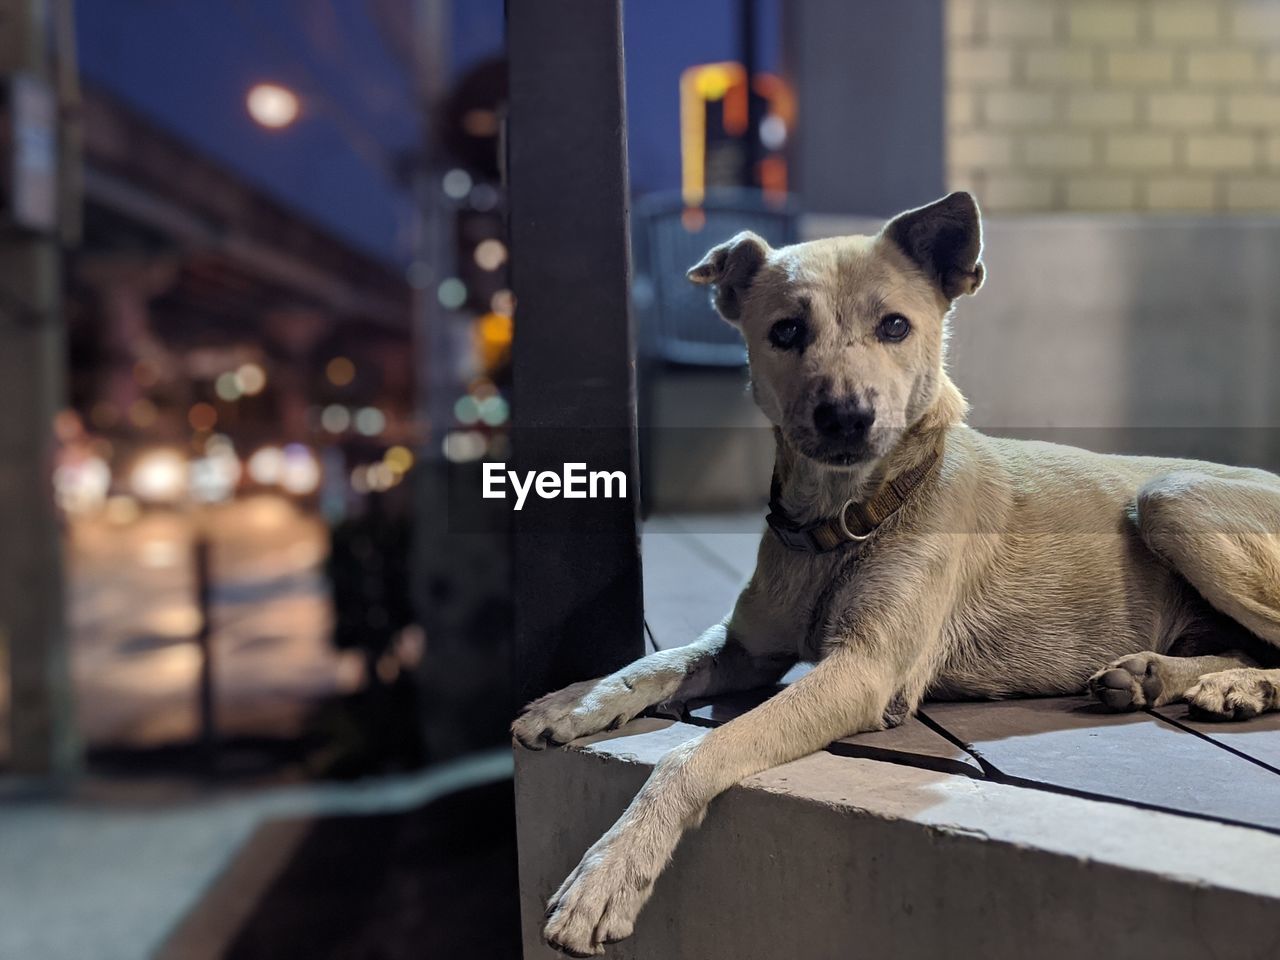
column 1154, row 679
column 713, row 664
column 1223, row 535
column 1235, row 694
column 598, row 903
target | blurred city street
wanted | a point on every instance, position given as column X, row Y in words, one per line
column 134, row 620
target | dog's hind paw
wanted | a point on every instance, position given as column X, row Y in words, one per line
column 1234, row 694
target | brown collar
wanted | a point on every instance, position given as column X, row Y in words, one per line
column 856, row 522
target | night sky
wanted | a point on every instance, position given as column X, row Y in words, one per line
column 187, row 65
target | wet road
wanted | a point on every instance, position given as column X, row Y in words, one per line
column 134, row 618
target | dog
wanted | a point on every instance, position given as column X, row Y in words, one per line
column 910, row 555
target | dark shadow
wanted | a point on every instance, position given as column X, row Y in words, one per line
column 436, row 882
column 147, row 642
column 236, row 760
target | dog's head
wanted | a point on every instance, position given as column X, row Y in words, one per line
column 845, row 336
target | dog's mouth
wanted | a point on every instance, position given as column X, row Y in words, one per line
column 837, row 454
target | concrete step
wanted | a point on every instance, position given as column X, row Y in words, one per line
column 836, row 856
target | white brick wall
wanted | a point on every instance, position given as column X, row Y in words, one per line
column 1115, row 104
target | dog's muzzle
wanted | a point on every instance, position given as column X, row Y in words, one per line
column 841, row 431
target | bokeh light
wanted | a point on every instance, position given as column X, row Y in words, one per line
column 490, row 254
column 467, row 410
column 227, row 387
column 370, row 421
column 81, row 486
column 300, row 470
column 202, row 417
column 159, row 476
column 252, row 379
column 214, row 476
column 503, row 302
column 456, row 184
column 266, row 465
column 335, row 418
column 340, row 371
column 452, row 293
column 272, row 105
column 494, row 411
column 399, row 459
column 462, row 446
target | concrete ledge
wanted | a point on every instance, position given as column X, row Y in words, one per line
column 837, row 857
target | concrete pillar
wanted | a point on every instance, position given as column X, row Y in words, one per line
column 869, row 81
column 33, row 630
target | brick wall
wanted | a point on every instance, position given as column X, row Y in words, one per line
column 1115, row 104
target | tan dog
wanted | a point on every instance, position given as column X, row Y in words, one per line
column 912, row 556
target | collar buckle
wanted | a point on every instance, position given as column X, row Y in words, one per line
column 833, row 533
column 842, row 524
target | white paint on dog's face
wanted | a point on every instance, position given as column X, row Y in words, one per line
column 844, row 389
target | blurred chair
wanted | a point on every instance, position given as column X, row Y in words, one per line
column 676, row 324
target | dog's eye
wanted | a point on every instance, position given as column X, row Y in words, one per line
column 787, row 334
column 893, row 328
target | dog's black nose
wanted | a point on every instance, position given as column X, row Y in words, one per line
column 843, row 419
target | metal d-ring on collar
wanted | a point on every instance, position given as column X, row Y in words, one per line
column 831, row 533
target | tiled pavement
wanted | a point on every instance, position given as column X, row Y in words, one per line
column 694, row 566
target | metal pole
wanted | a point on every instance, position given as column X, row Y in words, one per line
column 32, row 390
column 747, row 22
column 204, row 589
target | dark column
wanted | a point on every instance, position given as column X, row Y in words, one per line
column 577, row 562
column 33, row 629
column 747, row 45
column 869, row 83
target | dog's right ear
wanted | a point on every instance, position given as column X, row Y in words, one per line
column 730, row 268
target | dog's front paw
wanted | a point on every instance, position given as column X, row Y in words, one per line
column 1131, row 683
column 598, row 903
column 578, row 710
column 1234, row 694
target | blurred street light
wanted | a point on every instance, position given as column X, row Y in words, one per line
column 300, row 470
column 159, row 476
column 266, row 465
column 272, row 105
column 456, row 184
column 202, row 417
column 214, row 477
column 335, row 418
column 227, row 387
column 452, row 293
column 340, row 371
column 82, row 485
column 252, row 379
column 399, row 459
column 370, row 421
column 490, row 254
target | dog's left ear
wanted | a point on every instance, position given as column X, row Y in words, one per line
column 945, row 241
column 731, row 267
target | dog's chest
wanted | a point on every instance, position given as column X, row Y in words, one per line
column 786, row 604
column 817, row 589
